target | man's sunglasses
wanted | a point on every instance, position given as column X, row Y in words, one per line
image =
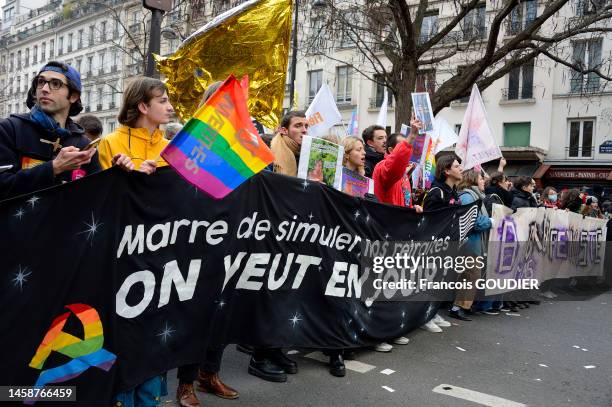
column 54, row 84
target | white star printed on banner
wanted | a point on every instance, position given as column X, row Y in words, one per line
column 320, row 268
column 305, row 184
column 21, row 277
column 221, row 304
column 166, row 333
column 355, row 336
column 92, row 228
column 19, row 214
column 32, row 201
column 402, row 325
column 295, row 319
column 387, row 236
column 310, row 217
column 368, row 219
column 357, row 214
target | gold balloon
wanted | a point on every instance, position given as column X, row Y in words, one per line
column 250, row 39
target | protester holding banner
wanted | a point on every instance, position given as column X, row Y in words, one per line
column 498, row 189
column 523, row 194
column 375, row 139
column 287, row 142
column 443, row 191
column 139, row 141
column 471, row 189
column 45, row 147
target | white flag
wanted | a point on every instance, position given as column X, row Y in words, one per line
column 443, row 135
column 382, row 114
column 322, row 113
column 476, row 144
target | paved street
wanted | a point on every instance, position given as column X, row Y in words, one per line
column 553, row 355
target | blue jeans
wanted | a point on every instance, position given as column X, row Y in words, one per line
column 146, row 394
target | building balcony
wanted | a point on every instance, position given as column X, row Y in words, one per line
column 517, row 95
column 580, row 153
column 376, row 103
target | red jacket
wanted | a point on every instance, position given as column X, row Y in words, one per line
column 388, row 175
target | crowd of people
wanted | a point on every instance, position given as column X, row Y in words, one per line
column 46, row 147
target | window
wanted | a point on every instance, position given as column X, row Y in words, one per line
column 588, row 7
column 60, row 46
column 90, row 37
column 19, row 84
column 317, row 38
column 100, row 99
column 3, row 65
column 8, row 14
column 522, row 16
column 89, row 65
column 101, row 62
column 116, row 30
column 379, row 93
column 115, row 60
column 580, row 139
column 517, row 134
column 12, row 62
column 43, row 50
column 18, row 60
column 70, row 39
column 426, row 82
column 79, row 62
column 343, row 84
column 429, row 27
column 35, row 54
column 88, row 101
column 51, row 48
column 466, row 98
column 347, row 36
column 111, row 126
column 586, row 55
column 80, row 39
column 520, row 83
column 473, row 25
column 27, row 57
column 315, row 80
column 103, row 32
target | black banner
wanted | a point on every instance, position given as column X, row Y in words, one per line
column 118, row 277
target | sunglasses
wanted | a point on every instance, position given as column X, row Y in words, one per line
column 54, row 84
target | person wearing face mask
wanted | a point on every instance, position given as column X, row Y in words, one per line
column 549, row 198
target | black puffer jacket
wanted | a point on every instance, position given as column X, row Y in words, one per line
column 505, row 196
column 522, row 199
column 372, row 158
column 440, row 196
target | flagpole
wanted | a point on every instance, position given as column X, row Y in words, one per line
column 293, row 55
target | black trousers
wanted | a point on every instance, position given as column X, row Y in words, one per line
column 210, row 364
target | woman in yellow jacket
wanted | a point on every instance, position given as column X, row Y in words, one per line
column 139, row 141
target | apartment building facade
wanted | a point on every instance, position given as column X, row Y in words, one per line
column 550, row 122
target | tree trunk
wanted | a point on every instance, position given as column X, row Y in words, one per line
column 404, row 83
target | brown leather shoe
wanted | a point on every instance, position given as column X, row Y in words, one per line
column 185, row 396
column 210, row 383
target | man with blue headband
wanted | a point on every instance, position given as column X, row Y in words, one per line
column 45, row 147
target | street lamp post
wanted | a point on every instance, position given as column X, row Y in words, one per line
column 157, row 7
column 293, row 56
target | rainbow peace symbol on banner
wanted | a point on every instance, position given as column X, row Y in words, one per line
column 84, row 352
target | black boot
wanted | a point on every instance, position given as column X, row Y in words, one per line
column 459, row 314
column 267, row 370
column 280, row 359
column 336, row 365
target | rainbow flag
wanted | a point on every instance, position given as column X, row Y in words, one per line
column 429, row 164
column 218, row 149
